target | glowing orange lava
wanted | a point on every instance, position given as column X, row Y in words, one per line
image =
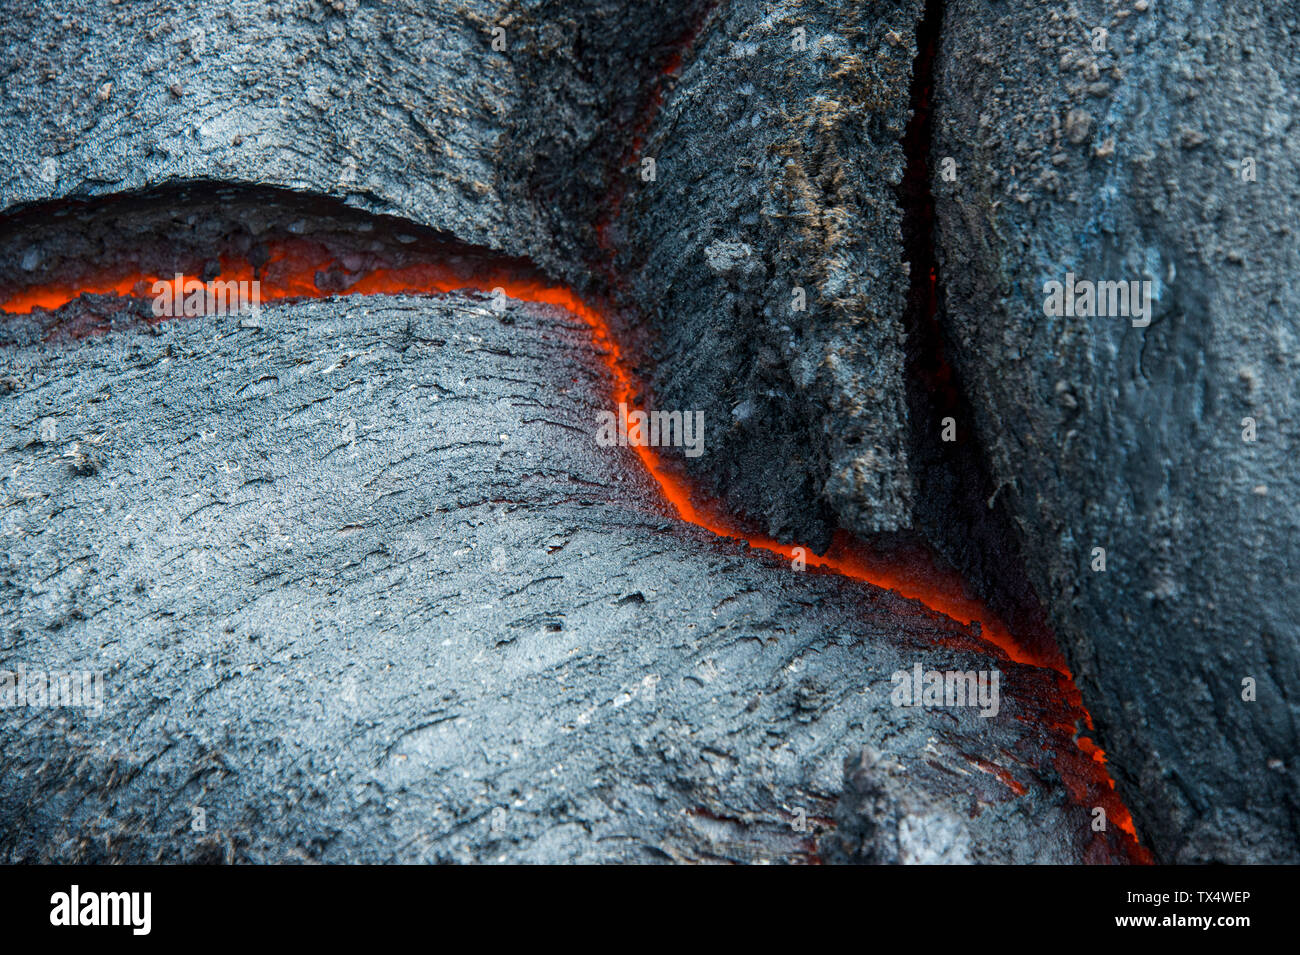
column 296, row 268
column 287, row 276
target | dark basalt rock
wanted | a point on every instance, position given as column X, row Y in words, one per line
column 364, row 589
column 1126, row 163
column 412, row 110
column 879, row 823
column 776, row 156
column 406, row 108
column 343, row 614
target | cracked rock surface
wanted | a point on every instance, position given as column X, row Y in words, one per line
column 1127, row 163
column 408, row 108
column 364, row 589
column 767, row 259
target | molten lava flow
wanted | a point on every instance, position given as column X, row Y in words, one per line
column 293, row 272
column 297, row 269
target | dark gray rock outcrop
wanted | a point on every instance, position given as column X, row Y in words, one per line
column 514, row 126
column 505, row 139
column 363, row 588
column 879, row 823
column 1158, row 150
column 766, row 258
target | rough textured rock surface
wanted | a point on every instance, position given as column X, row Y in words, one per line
column 776, row 158
column 878, row 822
column 348, row 618
column 1128, row 163
column 364, row 589
column 405, row 108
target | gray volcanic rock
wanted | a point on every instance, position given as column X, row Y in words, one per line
column 776, row 157
column 294, row 245
column 406, row 107
column 1131, row 161
column 363, row 588
column 878, row 822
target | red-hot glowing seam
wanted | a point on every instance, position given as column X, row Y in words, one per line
column 288, row 276
column 282, row 279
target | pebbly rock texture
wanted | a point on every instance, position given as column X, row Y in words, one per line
column 505, row 139
column 878, row 822
column 766, row 258
column 784, row 160
column 1160, row 151
column 362, row 585
column 363, row 588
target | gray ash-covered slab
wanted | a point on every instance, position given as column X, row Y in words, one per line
column 365, row 589
column 409, row 108
column 777, row 156
column 1128, row 163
